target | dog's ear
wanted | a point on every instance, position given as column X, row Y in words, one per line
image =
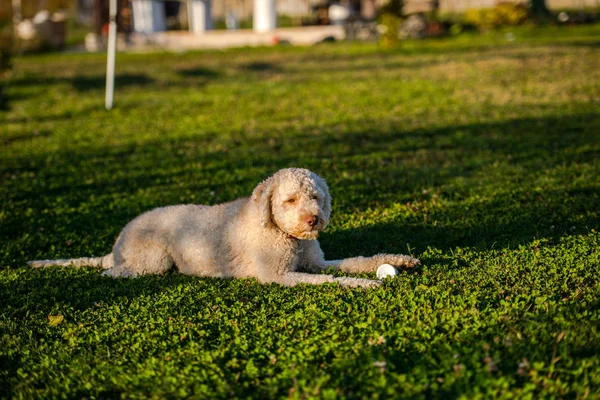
column 327, row 205
column 261, row 196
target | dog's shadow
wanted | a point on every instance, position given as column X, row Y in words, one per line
column 56, row 290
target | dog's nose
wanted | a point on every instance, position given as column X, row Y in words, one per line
column 312, row 220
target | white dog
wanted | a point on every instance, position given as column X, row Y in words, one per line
column 270, row 236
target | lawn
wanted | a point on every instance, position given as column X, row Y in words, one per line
column 477, row 155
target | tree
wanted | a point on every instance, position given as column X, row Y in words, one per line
column 540, row 11
column 6, row 47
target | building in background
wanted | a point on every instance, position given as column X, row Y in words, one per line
column 158, row 15
column 145, row 18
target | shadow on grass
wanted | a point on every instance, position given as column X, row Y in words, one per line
column 260, row 66
column 4, row 100
column 67, row 115
column 78, row 289
column 7, row 140
column 469, row 355
column 65, row 291
column 506, row 221
column 83, row 83
column 198, row 72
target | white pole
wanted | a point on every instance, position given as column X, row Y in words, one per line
column 200, row 15
column 111, row 54
column 265, row 17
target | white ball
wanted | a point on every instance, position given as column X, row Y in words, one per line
column 386, row 270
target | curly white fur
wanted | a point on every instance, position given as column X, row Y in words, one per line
column 270, row 236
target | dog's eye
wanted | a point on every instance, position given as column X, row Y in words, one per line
column 314, row 197
column 291, row 201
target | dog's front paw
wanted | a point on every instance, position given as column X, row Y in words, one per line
column 401, row 261
column 411, row 262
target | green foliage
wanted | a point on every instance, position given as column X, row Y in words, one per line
column 389, row 26
column 504, row 14
column 481, row 160
column 389, row 21
column 510, row 14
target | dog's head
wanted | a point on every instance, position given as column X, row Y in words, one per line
column 296, row 201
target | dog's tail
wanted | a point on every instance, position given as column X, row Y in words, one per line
column 105, row 262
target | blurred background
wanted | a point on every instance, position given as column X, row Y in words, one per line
column 82, row 25
column 465, row 132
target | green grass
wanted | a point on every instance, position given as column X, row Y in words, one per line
column 479, row 156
